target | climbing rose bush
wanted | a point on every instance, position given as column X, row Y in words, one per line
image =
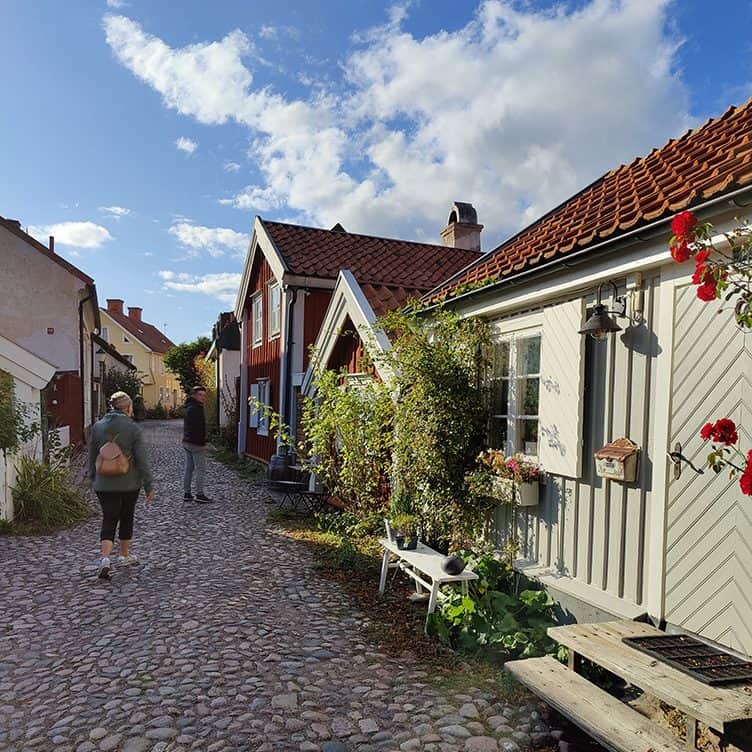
column 726, row 454
column 720, row 274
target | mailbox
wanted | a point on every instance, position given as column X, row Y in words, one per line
column 618, row 460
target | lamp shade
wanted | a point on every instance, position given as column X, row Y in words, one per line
column 599, row 325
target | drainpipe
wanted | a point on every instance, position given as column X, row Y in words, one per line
column 81, row 362
column 286, row 401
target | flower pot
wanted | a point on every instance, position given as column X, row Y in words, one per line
column 400, row 541
column 527, row 494
column 412, row 544
column 453, row 565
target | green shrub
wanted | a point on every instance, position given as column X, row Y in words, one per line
column 158, row 412
column 491, row 621
column 43, row 495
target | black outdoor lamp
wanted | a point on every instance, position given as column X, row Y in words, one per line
column 600, row 323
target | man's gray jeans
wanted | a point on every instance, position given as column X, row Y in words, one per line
column 195, row 459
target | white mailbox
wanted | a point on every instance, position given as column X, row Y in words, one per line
column 618, row 460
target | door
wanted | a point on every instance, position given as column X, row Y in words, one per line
column 709, row 520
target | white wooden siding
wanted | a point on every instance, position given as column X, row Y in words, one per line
column 587, row 528
column 709, row 520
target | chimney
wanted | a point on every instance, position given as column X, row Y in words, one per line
column 52, row 244
column 134, row 313
column 462, row 230
column 114, row 305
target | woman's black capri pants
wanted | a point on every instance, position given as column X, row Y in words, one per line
column 118, row 508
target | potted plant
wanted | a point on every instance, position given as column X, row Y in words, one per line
column 406, row 527
column 514, row 480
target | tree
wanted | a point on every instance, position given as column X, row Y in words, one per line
column 117, row 380
column 181, row 360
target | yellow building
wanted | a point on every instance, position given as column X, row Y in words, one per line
column 144, row 346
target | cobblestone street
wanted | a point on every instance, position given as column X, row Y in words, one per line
column 223, row 638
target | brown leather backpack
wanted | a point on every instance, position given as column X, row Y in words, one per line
column 111, row 460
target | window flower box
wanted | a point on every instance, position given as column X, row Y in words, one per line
column 513, row 480
column 509, row 491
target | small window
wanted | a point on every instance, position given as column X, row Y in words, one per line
column 258, row 318
column 106, row 333
column 161, row 394
column 275, row 309
column 125, row 339
column 515, row 392
column 265, row 400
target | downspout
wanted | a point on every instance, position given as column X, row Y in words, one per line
column 288, row 363
column 81, row 362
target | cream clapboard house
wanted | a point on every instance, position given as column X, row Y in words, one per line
column 144, row 346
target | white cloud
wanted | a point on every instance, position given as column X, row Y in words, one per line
column 231, row 166
column 114, row 212
column 116, row 3
column 216, row 241
column 75, row 234
column 514, row 112
column 223, row 286
column 186, row 144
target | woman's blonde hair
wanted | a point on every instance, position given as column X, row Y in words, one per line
column 120, row 401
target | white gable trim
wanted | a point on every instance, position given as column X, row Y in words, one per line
column 348, row 300
column 259, row 238
column 24, row 365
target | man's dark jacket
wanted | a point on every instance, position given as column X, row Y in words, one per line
column 194, row 423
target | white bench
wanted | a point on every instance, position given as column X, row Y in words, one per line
column 424, row 566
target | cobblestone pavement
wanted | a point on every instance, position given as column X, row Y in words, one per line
column 223, row 638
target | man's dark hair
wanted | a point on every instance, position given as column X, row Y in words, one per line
column 197, row 389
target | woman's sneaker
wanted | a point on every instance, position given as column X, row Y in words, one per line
column 202, row 499
column 104, row 569
column 127, row 561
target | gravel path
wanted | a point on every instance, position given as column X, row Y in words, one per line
column 223, row 638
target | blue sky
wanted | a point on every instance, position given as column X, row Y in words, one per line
column 147, row 135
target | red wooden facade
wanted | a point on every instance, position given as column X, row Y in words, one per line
column 348, row 351
column 316, row 303
column 263, row 359
column 64, row 404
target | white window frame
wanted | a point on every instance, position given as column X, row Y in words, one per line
column 275, row 327
column 265, row 398
column 257, row 318
column 513, row 337
column 253, row 413
column 106, row 333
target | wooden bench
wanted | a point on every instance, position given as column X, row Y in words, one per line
column 724, row 708
column 610, row 722
column 424, row 566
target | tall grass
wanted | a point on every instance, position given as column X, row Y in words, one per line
column 44, row 498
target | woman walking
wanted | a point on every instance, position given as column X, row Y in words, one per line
column 119, row 469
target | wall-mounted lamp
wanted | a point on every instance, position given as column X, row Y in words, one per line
column 600, row 324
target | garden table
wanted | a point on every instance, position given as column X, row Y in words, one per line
column 424, row 565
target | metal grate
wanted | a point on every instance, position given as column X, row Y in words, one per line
column 704, row 662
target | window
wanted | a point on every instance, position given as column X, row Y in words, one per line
column 161, row 394
column 260, row 398
column 161, row 367
column 275, row 308
column 106, row 333
column 257, row 305
column 125, row 339
column 128, row 357
column 515, row 392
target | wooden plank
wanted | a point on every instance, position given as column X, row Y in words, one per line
column 601, row 643
column 610, row 722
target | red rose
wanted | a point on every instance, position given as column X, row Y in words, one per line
column 706, row 432
column 683, row 225
column 724, row 431
column 702, row 256
column 680, row 251
column 699, row 276
column 707, row 292
column 745, row 482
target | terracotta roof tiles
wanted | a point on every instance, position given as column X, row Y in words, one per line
column 147, row 334
column 700, row 165
column 314, row 252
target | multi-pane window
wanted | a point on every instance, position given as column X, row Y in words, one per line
column 275, row 309
column 515, row 391
column 260, row 404
column 257, row 320
column 106, row 333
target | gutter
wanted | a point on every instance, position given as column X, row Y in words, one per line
column 285, row 396
column 566, row 261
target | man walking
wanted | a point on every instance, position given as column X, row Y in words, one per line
column 194, row 443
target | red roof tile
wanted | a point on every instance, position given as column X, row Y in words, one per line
column 384, row 298
column 145, row 333
column 320, row 253
column 704, row 163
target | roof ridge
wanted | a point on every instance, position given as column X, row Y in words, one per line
column 372, row 237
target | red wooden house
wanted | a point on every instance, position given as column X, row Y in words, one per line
column 287, row 286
